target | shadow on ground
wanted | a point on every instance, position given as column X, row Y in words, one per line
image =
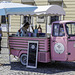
column 48, row 68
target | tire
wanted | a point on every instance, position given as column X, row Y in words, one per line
column 23, row 59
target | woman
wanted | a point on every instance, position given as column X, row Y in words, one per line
column 25, row 29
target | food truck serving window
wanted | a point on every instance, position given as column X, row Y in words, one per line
column 70, row 28
column 58, row 30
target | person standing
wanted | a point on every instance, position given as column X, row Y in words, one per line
column 25, row 29
column 0, row 37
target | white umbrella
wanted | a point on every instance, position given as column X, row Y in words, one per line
column 15, row 8
column 49, row 10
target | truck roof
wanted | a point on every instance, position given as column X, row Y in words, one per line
column 62, row 22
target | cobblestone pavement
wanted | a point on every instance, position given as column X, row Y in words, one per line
column 15, row 68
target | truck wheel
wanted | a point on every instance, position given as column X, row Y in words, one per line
column 23, row 59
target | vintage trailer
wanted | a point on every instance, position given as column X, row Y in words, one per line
column 60, row 46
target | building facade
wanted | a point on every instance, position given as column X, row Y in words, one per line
column 17, row 20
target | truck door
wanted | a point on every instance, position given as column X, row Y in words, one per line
column 70, row 28
column 58, row 43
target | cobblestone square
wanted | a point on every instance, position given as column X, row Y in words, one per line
column 15, row 67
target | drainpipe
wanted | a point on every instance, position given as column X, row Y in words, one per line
column 62, row 7
column 62, row 16
column 62, row 3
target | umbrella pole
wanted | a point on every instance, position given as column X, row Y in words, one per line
column 20, row 21
column 60, row 17
column 7, row 23
column 63, row 17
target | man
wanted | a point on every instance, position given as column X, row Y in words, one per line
column 0, row 37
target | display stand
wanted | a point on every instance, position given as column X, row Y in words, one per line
column 32, row 54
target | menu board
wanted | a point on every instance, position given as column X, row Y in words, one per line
column 32, row 54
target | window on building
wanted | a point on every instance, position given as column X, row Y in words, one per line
column 56, row 3
column 54, row 18
column 3, row 19
column 3, row 22
column 27, row 19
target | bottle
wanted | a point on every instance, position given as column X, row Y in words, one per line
column 32, row 29
column 35, row 31
column 39, row 29
column 22, row 33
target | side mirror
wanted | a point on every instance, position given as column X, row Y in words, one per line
column 68, row 37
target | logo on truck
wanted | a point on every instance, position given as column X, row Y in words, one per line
column 59, row 48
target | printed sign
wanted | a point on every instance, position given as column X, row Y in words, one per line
column 32, row 54
column 59, row 48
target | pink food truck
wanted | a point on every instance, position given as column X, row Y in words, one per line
column 60, row 46
column 42, row 48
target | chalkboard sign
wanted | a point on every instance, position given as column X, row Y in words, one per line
column 32, row 54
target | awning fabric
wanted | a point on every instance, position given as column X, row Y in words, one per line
column 15, row 8
column 49, row 10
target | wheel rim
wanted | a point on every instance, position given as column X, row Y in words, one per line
column 23, row 59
